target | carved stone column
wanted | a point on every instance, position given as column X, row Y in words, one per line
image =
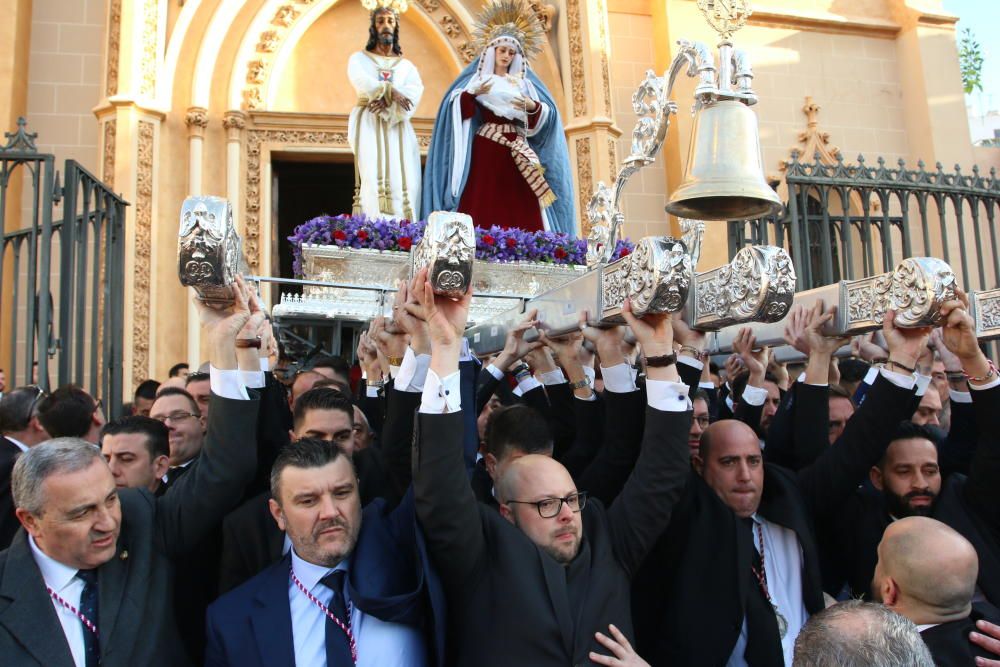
column 234, row 122
column 590, row 128
column 196, row 120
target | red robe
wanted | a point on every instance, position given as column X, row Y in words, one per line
column 495, row 191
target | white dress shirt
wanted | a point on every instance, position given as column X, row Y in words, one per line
column 23, row 447
column 412, row 372
column 380, row 644
column 783, row 565
column 63, row 580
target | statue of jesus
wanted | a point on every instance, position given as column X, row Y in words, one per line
column 386, row 154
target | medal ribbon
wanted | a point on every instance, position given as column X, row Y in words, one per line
column 87, row 623
column 346, row 627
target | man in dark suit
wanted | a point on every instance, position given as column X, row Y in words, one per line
column 20, row 431
column 511, row 432
column 352, row 589
column 909, row 481
column 550, row 569
column 736, row 575
column 251, row 540
column 927, row 572
column 110, row 553
column 137, row 450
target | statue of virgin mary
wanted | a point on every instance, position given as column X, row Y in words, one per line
column 498, row 152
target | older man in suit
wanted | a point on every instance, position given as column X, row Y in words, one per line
column 549, row 569
column 88, row 581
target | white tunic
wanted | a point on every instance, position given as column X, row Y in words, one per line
column 385, row 147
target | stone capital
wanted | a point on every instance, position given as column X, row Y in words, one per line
column 196, row 120
column 234, row 122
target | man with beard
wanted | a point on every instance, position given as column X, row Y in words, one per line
column 351, row 590
column 386, row 154
column 909, row 481
column 550, row 568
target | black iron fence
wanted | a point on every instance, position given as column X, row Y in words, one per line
column 61, row 273
column 846, row 221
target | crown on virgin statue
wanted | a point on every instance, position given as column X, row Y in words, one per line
column 398, row 6
column 512, row 22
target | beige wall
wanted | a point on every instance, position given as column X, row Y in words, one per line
column 67, row 40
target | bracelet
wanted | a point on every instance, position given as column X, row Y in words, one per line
column 395, row 361
column 879, row 360
column 956, row 376
column 244, row 343
column 909, row 370
column 992, row 373
column 694, row 352
column 661, row 361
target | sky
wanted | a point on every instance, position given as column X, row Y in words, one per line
column 983, row 17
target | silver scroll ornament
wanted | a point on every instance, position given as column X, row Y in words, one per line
column 757, row 286
column 915, row 289
column 448, row 249
column 986, row 313
column 209, row 251
column 656, row 278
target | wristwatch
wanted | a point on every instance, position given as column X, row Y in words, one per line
column 580, row 384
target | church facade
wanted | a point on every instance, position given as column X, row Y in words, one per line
column 249, row 100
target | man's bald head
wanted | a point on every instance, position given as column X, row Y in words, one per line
column 730, row 461
column 926, row 570
column 524, row 482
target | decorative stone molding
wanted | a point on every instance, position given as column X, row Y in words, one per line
column 108, row 165
column 150, row 13
column 545, row 13
column 813, row 141
column 196, row 120
column 579, row 88
column 114, row 43
column 285, row 17
column 612, row 155
column 255, row 139
column 602, row 22
column 585, row 179
column 143, row 252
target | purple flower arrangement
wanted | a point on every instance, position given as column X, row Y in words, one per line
column 495, row 244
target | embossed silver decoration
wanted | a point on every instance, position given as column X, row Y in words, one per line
column 448, row 249
column 915, row 289
column 656, row 278
column 693, row 232
column 986, row 313
column 757, row 286
column 209, row 251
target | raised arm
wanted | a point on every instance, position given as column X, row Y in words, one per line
column 829, row 481
column 446, row 506
column 198, row 502
column 641, row 512
column 958, row 334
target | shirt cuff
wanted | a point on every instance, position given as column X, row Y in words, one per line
column 753, row 395
column 441, row 396
column 923, row 381
column 527, row 384
column 265, row 364
column 899, row 379
column 959, row 396
column 871, row 375
column 227, row 384
column 706, row 385
column 667, row 396
column 691, row 361
column 407, row 370
column 553, row 377
column 422, row 365
column 253, row 379
column 495, row 372
column 371, row 392
column 590, row 373
column 730, row 404
column 618, row 379
column 989, row 385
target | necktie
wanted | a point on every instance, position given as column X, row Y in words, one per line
column 763, row 641
column 338, row 646
column 89, row 609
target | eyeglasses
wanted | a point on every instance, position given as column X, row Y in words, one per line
column 39, row 395
column 550, row 507
column 175, row 417
column 97, row 406
column 702, row 421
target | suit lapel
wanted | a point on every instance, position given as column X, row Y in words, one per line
column 555, row 581
column 111, row 587
column 271, row 618
column 30, row 617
